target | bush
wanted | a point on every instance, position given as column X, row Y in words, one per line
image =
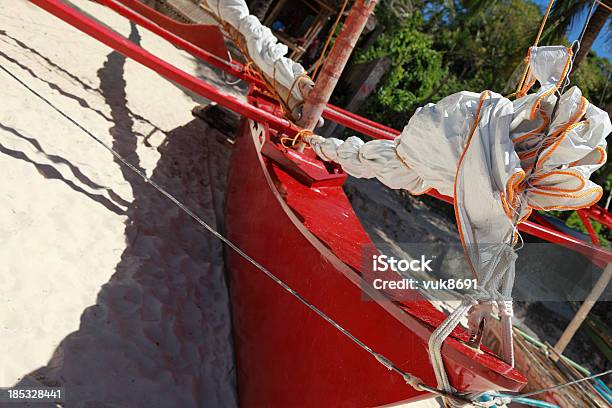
column 415, row 72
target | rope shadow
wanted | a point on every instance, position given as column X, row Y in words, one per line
column 162, row 319
column 79, row 82
column 52, row 173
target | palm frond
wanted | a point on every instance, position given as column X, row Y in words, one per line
column 564, row 16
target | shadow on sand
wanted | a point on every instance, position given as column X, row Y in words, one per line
column 159, row 334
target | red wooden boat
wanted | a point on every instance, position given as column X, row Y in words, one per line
column 287, row 211
column 303, row 226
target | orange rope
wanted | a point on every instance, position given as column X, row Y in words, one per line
column 537, row 39
column 519, row 90
column 329, row 37
column 483, row 96
column 604, row 5
column 297, row 79
column 298, row 138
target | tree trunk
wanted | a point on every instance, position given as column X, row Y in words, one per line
column 597, row 22
column 260, row 8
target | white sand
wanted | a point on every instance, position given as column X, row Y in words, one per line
column 105, row 288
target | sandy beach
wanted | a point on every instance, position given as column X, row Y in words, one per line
column 107, row 290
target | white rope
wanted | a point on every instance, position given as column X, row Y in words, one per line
column 497, row 401
column 506, row 313
column 436, row 341
column 496, row 288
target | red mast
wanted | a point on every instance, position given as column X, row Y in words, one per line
column 333, row 66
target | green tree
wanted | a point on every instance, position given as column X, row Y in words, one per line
column 483, row 45
column 416, row 70
column 441, row 47
column 593, row 79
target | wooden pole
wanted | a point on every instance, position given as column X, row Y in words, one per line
column 582, row 313
column 317, row 98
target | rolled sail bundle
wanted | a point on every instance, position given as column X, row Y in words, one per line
column 526, row 163
column 499, row 159
column 288, row 78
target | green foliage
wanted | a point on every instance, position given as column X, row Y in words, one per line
column 416, row 70
column 487, row 44
column 443, row 47
column 439, row 47
column 574, row 222
column 592, row 78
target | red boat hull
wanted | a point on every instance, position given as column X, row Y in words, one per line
column 311, row 239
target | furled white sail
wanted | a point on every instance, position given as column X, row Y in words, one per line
column 499, row 159
column 287, row 76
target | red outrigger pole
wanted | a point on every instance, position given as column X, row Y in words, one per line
column 153, row 22
column 286, row 355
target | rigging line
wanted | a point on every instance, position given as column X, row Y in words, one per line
column 603, row 92
column 566, row 79
column 555, row 387
column 328, row 40
column 415, row 382
column 579, row 42
column 605, row 5
column 535, row 44
column 543, row 23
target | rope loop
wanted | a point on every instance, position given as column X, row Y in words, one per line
column 300, row 137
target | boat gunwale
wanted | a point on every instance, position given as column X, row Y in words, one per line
column 412, row 318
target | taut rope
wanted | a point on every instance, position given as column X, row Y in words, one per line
column 410, row 379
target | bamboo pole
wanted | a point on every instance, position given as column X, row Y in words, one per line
column 317, row 98
column 582, row 312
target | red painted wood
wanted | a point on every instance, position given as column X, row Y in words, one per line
column 207, row 37
column 597, row 255
column 336, row 114
column 201, row 50
column 312, row 239
column 358, row 125
column 542, row 229
column 361, row 119
column 316, row 254
column 174, row 33
column 600, row 215
column 333, row 65
column 586, row 221
column 138, row 54
column 210, row 47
